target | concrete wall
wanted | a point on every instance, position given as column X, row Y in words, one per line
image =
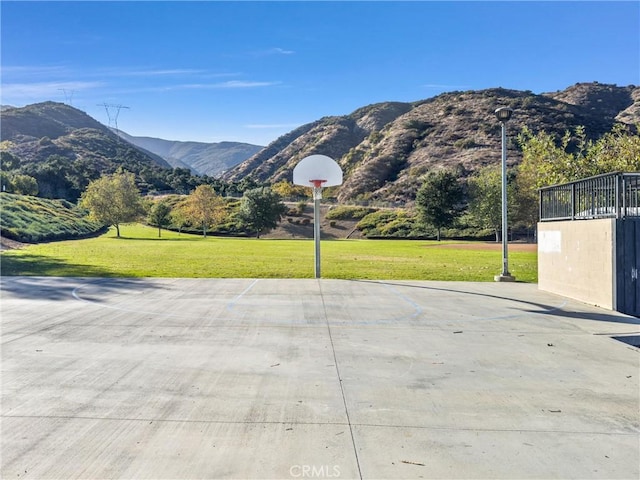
column 576, row 259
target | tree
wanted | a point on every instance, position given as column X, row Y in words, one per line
column 246, row 184
column 485, row 198
column 113, row 199
column 438, row 200
column 288, row 190
column 24, row 184
column 204, row 207
column 261, row 209
column 545, row 162
column 617, row 150
column 8, row 161
column 181, row 180
column 523, row 203
column 52, row 177
column 159, row 216
column 179, row 216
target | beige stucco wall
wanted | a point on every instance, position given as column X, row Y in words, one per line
column 576, row 259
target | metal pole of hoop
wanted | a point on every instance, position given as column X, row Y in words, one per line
column 317, row 196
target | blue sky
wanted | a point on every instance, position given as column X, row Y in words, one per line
column 251, row 71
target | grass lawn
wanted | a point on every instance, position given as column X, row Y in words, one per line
column 140, row 253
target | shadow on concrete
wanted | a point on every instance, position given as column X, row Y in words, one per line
column 61, row 288
column 598, row 317
column 633, row 340
column 540, row 308
column 99, row 290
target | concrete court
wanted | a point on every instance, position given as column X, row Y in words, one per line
column 242, row 378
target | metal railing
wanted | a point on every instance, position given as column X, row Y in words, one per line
column 612, row 195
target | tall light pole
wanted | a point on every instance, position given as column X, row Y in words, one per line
column 504, row 114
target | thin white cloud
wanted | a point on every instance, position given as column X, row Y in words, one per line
column 233, row 84
column 244, row 84
column 33, row 70
column 44, row 89
column 221, row 75
column 158, row 72
column 207, row 86
column 272, row 51
column 279, row 51
column 63, row 71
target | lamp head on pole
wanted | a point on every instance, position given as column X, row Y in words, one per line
column 503, row 113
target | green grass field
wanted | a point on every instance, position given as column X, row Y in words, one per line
column 140, row 253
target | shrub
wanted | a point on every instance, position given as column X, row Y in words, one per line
column 465, row 143
column 349, row 213
column 372, row 223
column 301, row 207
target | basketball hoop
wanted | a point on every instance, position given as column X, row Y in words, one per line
column 317, row 171
column 308, row 173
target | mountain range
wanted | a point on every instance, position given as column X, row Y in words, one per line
column 35, row 132
column 384, row 149
column 201, row 158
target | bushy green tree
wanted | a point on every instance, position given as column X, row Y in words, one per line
column 113, row 200
column 52, row 176
column 24, row 185
column 485, row 198
column 438, row 199
column 8, row 161
column 159, row 216
column 617, row 150
column 261, row 209
column 548, row 161
column 523, row 202
column 545, row 161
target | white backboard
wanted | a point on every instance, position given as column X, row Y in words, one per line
column 317, row 167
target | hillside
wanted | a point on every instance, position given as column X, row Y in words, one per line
column 43, row 129
column 63, row 148
column 32, row 219
column 210, row 159
column 385, row 148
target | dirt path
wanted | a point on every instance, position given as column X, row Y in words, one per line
column 7, row 244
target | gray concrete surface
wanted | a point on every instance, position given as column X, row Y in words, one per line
column 241, row 378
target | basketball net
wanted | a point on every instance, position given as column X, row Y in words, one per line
column 317, row 188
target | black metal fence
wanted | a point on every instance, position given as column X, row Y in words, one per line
column 612, row 195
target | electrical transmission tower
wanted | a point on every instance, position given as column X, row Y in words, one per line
column 68, row 96
column 112, row 114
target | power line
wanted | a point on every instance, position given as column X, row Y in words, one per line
column 113, row 111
